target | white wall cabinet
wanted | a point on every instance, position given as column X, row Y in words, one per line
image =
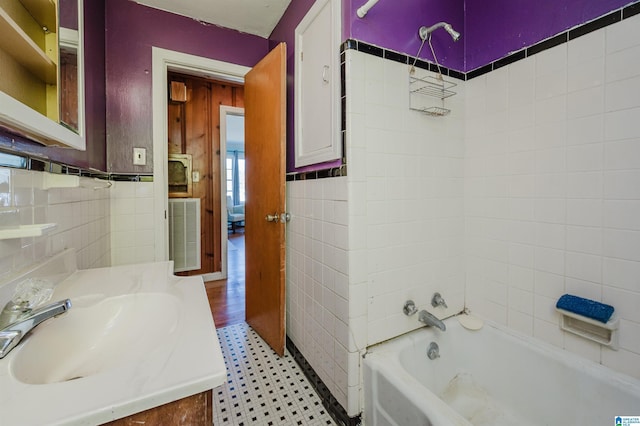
column 317, row 85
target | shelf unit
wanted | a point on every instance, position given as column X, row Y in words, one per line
column 29, row 50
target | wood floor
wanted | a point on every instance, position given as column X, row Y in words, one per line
column 226, row 297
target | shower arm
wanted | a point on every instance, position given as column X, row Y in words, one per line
column 425, row 32
column 362, row 10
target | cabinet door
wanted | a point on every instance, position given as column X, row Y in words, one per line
column 317, row 96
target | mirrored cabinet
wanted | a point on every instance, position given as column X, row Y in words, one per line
column 41, row 71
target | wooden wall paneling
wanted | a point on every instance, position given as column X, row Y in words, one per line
column 176, row 128
column 176, row 122
column 69, row 88
column 216, row 101
column 198, row 135
column 238, row 96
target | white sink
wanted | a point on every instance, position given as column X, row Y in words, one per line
column 136, row 337
column 90, row 340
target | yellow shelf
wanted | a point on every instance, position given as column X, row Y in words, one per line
column 17, row 43
column 43, row 12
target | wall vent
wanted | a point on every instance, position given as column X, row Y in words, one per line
column 184, row 233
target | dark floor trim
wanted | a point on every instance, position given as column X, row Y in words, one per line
column 336, row 411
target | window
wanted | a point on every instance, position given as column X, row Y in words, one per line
column 235, row 187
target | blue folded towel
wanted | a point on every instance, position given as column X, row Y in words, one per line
column 585, row 307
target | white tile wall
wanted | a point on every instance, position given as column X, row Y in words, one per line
column 569, row 215
column 132, row 223
column 81, row 215
column 393, row 230
column 528, row 190
column 405, row 199
column 319, row 297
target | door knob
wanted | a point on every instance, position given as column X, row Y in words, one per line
column 282, row 217
column 285, row 217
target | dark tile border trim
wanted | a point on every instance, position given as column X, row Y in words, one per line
column 571, row 34
column 596, row 24
column 23, row 161
column 630, row 10
column 320, row 174
column 363, row 47
column 336, row 411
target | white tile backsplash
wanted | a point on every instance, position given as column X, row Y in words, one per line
column 82, row 216
column 132, row 222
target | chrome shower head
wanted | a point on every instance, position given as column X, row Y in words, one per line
column 453, row 33
column 425, row 32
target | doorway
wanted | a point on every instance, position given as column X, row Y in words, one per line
column 165, row 61
column 227, row 296
column 266, row 118
column 233, row 189
column 205, row 115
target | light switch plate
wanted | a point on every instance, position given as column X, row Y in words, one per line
column 195, row 176
column 139, row 156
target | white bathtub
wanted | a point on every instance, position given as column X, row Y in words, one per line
column 489, row 377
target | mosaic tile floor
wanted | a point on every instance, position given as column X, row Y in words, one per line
column 262, row 388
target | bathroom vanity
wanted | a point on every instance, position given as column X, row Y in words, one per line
column 137, row 344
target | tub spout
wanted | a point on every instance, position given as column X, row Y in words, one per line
column 430, row 319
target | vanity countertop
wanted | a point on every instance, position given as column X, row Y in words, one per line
column 183, row 360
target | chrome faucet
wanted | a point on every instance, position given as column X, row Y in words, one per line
column 23, row 321
column 430, row 319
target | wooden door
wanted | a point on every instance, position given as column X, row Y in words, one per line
column 265, row 138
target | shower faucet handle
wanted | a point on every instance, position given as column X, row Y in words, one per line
column 437, row 300
column 409, row 308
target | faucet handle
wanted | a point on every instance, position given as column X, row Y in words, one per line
column 437, row 300
column 409, row 308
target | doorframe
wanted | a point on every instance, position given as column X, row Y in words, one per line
column 224, row 111
column 164, row 60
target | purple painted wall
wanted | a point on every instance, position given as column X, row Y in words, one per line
column 490, row 30
column 495, row 28
column 394, row 24
column 132, row 30
column 68, row 13
column 95, row 154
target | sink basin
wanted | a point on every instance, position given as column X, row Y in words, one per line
column 137, row 337
column 88, row 340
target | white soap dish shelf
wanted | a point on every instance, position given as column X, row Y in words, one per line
column 26, row 231
column 603, row 333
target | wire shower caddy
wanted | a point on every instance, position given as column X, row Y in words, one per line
column 424, row 90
